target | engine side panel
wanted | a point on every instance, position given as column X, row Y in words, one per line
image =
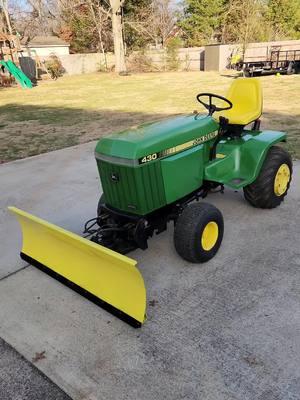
column 182, row 173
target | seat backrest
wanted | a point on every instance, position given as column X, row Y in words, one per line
column 246, row 97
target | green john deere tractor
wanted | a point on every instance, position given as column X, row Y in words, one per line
column 152, row 175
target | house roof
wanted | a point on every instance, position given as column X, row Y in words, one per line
column 43, row 41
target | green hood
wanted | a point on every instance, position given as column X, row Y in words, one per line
column 155, row 136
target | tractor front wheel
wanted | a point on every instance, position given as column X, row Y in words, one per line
column 198, row 232
column 273, row 182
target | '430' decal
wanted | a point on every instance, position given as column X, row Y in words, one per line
column 150, row 157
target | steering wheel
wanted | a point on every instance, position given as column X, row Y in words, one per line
column 212, row 107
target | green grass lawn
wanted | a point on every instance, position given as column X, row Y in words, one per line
column 77, row 109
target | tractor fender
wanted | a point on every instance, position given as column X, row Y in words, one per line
column 239, row 161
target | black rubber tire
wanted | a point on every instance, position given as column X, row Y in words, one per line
column 189, row 228
column 261, row 193
column 100, row 203
column 290, row 69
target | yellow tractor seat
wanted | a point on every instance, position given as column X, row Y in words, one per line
column 246, row 97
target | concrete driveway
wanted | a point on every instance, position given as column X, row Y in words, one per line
column 228, row 329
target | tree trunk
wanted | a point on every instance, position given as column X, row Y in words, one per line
column 119, row 51
column 4, row 6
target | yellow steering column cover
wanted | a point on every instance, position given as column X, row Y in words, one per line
column 210, row 235
column 282, row 179
column 106, row 274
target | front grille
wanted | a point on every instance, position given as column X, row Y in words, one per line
column 138, row 189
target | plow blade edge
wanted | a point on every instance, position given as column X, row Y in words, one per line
column 105, row 277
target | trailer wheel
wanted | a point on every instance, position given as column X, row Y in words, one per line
column 273, row 182
column 199, row 232
column 290, row 69
column 100, row 203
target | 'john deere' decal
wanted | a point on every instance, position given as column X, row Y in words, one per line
column 177, row 149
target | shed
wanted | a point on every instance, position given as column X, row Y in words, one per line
column 43, row 46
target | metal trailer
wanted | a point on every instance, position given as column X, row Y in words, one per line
column 280, row 61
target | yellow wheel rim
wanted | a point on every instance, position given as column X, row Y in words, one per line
column 282, row 179
column 209, row 236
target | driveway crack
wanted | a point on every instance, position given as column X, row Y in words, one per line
column 14, row 272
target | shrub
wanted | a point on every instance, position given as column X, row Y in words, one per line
column 140, row 62
column 54, row 66
column 173, row 61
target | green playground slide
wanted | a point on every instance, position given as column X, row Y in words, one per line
column 11, row 67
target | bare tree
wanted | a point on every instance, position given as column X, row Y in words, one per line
column 155, row 22
column 164, row 17
column 100, row 17
column 242, row 22
column 35, row 17
column 101, row 12
column 46, row 14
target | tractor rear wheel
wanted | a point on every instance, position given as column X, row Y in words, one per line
column 199, row 232
column 273, row 182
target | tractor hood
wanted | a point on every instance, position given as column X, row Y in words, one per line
column 153, row 137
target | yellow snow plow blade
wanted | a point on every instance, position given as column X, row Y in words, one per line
column 106, row 277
